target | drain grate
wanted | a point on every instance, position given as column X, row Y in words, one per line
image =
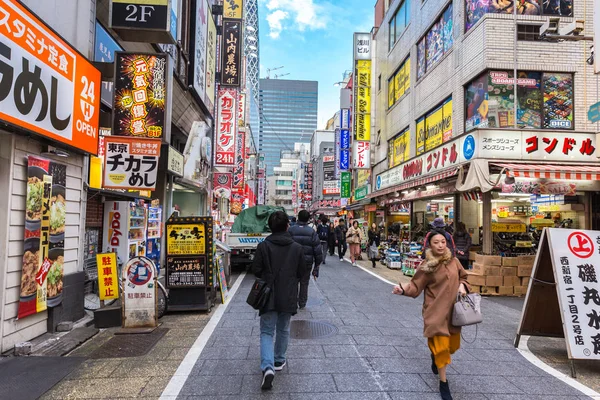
column 131, row 345
column 306, row 329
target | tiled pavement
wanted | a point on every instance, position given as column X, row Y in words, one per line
column 378, row 352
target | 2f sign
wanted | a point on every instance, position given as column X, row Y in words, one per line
column 138, row 13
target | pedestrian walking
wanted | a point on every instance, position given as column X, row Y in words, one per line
column 340, row 238
column 354, row 237
column 331, row 238
column 462, row 241
column 374, row 241
column 279, row 260
column 323, row 233
column 439, row 226
column 311, row 245
column 441, row 277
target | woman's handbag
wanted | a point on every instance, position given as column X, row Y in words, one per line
column 259, row 294
column 467, row 310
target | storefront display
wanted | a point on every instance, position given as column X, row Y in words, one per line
column 125, row 229
column 154, row 233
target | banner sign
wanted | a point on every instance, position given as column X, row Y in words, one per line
column 261, row 191
column 233, row 9
column 47, row 87
column 200, row 51
column 331, row 187
column 105, row 46
column 131, row 163
column 362, row 46
column 43, row 248
column 140, row 95
column 231, row 53
column 294, row 194
column 536, row 187
column 345, row 119
column 346, row 190
column 362, row 104
column 338, row 160
column 361, row 193
column 344, row 149
column 226, row 127
column 222, row 184
column 238, row 169
column 108, row 281
column 361, row 154
column 241, row 114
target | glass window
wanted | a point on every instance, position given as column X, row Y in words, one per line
column 399, row 21
column 435, row 43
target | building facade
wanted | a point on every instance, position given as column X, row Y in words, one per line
column 288, row 114
column 286, row 182
column 450, row 126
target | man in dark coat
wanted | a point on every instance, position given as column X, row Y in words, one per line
column 279, row 260
column 313, row 255
column 340, row 238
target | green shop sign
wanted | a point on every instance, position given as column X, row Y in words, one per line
column 345, row 189
column 361, row 192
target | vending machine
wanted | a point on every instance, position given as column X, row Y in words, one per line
column 154, row 233
column 124, row 229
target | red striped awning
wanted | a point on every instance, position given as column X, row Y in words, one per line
column 572, row 172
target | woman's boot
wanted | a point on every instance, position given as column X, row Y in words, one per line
column 445, row 391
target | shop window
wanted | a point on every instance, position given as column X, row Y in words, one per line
column 399, row 83
column 544, row 100
column 435, row 127
column 476, row 9
column 399, row 21
column 528, row 32
column 399, row 148
column 437, row 41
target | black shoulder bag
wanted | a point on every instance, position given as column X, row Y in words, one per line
column 261, row 289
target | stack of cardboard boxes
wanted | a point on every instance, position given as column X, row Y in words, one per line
column 496, row 275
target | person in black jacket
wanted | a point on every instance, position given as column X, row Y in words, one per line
column 323, row 233
column 340, row 238
column 313, row 255
column 278, row 260
column 462, row 241
column 374, row 239
column 331, row 238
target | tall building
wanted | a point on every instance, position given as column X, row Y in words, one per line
column 288, row 114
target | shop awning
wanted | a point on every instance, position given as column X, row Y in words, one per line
column 572, row 172
column 417, row 182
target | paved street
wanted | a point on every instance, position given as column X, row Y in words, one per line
column 377, row 353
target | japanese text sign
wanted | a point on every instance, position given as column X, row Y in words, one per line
column 186, row 239
column 226, row 127
column 233, row 9
column 131, row 163
column 140, row 95
column 151, row 21
column 361, row 154
column 231, row 53
column 200, row 51
column 186, row 271
column 108, row 282
column 345, row 183
column 576, row 259
column 139, row 293
column 211, row 61
column 46, row 86
column 104, row 45
column 238, row 169
column 362, row 46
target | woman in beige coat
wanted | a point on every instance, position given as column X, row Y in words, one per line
column 441, row 276
column 354, row 238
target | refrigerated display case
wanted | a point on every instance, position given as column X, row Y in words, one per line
column 154, row 233
column 125, row 229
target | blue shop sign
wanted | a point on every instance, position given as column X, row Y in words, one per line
column 104, row 45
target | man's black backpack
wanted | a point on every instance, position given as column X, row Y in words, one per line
column 323, row 232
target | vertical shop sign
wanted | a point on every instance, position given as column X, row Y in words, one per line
column 233, row 9
column 331, row 185
column 211, row 60
column 108, row 282
column 131, row 163
column 361, row 155
column 200, row 50
column 222, row 184
column 231, row 53
column 596, row 35
column 338, row 159
column 226, row 127
column 346, row 189
column 44, row 238
column 362, row 105
column 238, row 169
column 345, row 150
column 140, row 95
column 46, row 86
column 294, row 194
column 241, row 114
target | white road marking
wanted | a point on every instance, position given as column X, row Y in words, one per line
column 185, row 368
column 532, row 358
column 527, row 354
